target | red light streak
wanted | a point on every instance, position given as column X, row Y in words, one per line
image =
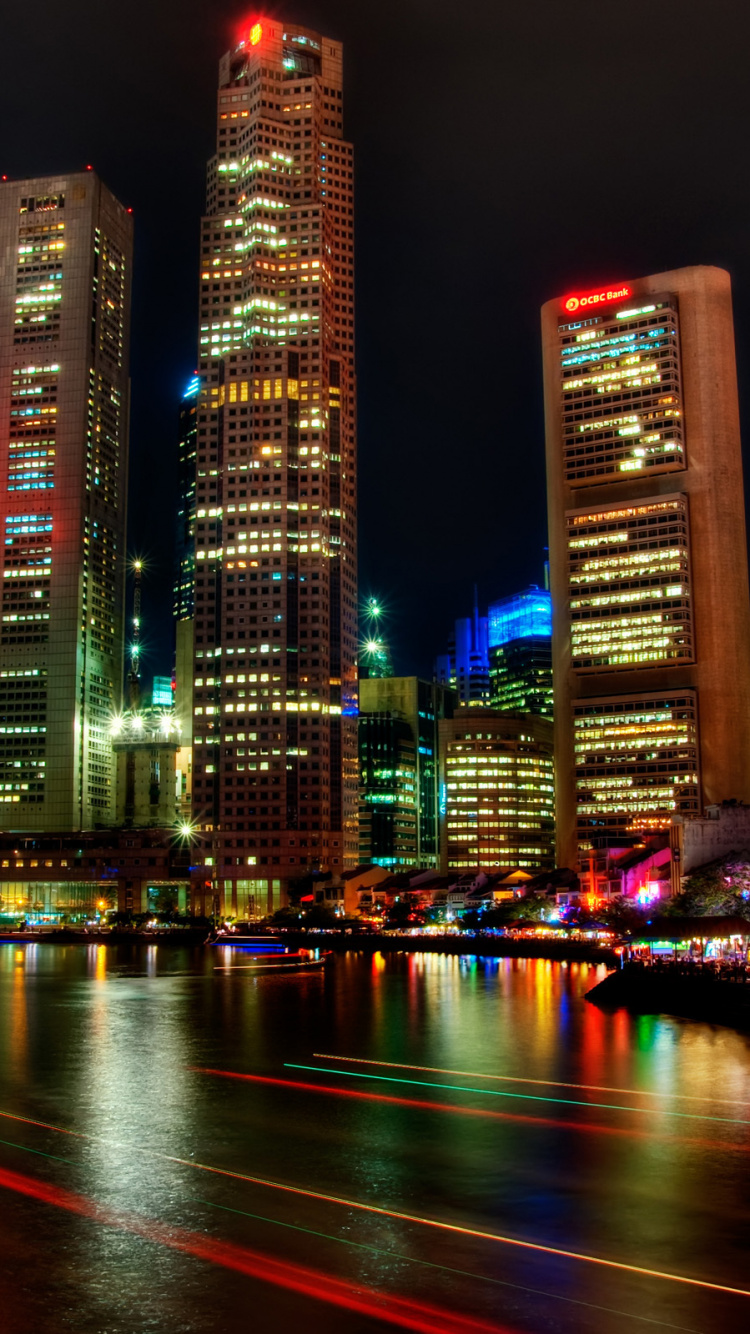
column 421, row 1104
column 409, row 1314
column 382, row 1212
column 518, row 1079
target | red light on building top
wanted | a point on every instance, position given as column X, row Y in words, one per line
column 256, row 32
column 599, row 297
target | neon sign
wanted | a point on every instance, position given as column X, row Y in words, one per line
column 256, row 32
column 598, row 298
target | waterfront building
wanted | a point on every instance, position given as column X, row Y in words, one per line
column 60, row 877
column 66, row 245
column 520, row 652
column 465, row 668
column 274, row 714
column 388, row 791
column 651, row 634
column 410, row 711
column 496, row 791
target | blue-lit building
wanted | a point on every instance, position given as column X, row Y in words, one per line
column 520, row 652
column 465, row 668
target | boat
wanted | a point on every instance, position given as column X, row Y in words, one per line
column 269, row 953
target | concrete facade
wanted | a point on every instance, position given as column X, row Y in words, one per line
column 672, row 698
column 65, row 274
column 275, row 642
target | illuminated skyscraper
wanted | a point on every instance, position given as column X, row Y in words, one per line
column 275, row 745
column 66, row 248
column 651, row 641
column 520, row 652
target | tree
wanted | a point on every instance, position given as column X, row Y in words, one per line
column 720, row 888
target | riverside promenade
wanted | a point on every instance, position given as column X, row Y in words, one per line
column 468, row 942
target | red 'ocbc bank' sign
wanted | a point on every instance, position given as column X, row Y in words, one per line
column 573, row 303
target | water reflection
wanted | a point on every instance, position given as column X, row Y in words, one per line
column 114, row 1044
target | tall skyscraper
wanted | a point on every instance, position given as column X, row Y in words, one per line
column 275, row 744
column 520, row 652
column 651, row 638
column 66, row 251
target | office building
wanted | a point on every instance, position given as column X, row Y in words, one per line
column 66, row 247
column 465, row 668
column 274, row 714
column 399, row 703
column 520, row 652
column 496, row 791
column 388, row 814
column 651, row 635
column 184, row 584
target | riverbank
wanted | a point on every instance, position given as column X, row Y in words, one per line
column 700, row 996
column 493, row 947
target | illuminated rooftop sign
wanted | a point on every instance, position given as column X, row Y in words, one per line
column 582, row 300
column 256, row 32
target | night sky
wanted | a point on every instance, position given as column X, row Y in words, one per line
column 505, row 153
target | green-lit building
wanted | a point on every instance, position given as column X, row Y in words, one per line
column 388, row 790
column 398, row 754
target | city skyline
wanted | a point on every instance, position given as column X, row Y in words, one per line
column 499, row 109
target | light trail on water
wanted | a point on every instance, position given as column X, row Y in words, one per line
column 519, row 1079
column 525, row 1097
column 382, row 1212
column 404, row 1312
column 452, row 1109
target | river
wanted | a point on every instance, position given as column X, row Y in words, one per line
column 496, row 1153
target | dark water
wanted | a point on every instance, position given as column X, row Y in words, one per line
column 104, row 1232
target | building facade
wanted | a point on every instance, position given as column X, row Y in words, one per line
column 65, row 272
column 465, row 668
column 520, row 652
column 420, row 706
column 388, row 812
column 651, row 637
column 497, row 793
column 275, row 641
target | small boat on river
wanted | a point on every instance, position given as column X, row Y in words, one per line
column 267, row 953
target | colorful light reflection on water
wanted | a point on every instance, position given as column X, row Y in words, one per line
column 166, row 1205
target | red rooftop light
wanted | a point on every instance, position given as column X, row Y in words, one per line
column 256, row 32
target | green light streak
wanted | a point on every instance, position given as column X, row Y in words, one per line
column 39, row 1152
column 525, row 1097
column 431, row 1264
